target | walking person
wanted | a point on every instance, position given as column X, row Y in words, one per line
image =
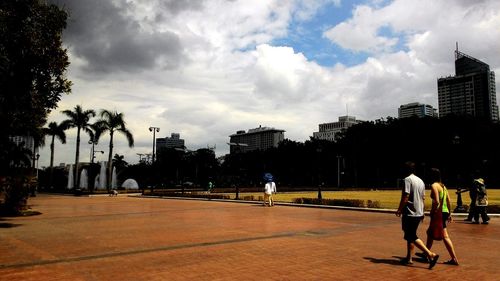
column 269, row 190
column 441, row 206
column 481, row 201
column 411, row 208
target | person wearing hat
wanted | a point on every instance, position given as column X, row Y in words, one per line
column 269, row 190
column 481, row 201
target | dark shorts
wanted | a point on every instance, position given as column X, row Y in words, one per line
column 410, row 226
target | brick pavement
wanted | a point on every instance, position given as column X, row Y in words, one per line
column 126, row 238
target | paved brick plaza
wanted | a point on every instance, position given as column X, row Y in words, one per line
column 127, row 238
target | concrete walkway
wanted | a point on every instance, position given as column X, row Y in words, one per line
column 128, row 238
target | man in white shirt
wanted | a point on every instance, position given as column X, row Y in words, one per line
column 411, row 207
column 269, row 190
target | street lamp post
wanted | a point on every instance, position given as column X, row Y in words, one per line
column 154, row 130
column 93, row 142
column 338, row 170
column 237, row 150
column 320, row 183
column 34, row 188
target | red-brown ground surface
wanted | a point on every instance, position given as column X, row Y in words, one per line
column 128, row 238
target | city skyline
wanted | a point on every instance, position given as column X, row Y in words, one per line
column 206, row 69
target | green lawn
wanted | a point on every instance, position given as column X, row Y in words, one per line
column 387, row 199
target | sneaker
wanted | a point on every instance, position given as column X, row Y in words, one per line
column 475, row 222
column 485, row 222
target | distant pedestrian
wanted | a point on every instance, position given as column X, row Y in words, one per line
column 441, row 206
column 411, row 208
column 269, row 190
column 481, row 201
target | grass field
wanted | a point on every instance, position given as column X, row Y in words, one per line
column 388, row 199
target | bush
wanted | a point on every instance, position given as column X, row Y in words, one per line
column 17, row 190
column 192, row 195
column 372, row 204
column 248, row 198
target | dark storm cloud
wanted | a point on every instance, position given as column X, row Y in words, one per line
column 108, row 39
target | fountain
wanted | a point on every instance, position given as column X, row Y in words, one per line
column 96, row 182
column 70, row 177
column 84, row 181
column 102, row 176
column 130, row 184
column 113, row 179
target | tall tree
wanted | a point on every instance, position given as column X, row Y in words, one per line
column 32, row 63
column 79, row 119
column 54, row 131
column 112, row 121
column 33, row 67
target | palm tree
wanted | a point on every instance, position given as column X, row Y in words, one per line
column 79, row 119
column 112, row 121
column 54, row 130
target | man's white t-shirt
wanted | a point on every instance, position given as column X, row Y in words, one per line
column 415, row 187
column 270, row 188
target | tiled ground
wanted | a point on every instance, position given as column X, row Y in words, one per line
column 126, row 238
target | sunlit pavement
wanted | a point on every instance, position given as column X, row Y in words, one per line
column 129, row 238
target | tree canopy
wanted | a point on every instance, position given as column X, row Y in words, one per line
column 33, row 63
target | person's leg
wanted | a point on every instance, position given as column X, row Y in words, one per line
column 265, row 199
column 409, row 252
column 477, row 210
column 433, row 257
column 271, row 200
column 450, row 248
column 420, row 244
column 472, row 207
column 484, row 216
column 429, row 242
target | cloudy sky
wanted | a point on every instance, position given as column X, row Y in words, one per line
column 207, row 68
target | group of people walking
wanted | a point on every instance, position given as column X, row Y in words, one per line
column 411, row 209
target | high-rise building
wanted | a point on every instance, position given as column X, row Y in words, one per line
column 260, row 138
column 471, row 91
column 416, row 109
column 174, row 141
column 329, row 131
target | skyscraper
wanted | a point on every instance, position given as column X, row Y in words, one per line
column 470, row 92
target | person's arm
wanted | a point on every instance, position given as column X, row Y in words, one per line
column 448, row 203
column 434, row 197
column 402, row 203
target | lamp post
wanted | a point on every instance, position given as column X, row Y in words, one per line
column 154, row 130
column 93, row 142
column 237, row 150
column 320, row 183
column 338, row 170
column 460, row 207
column 35, row 187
